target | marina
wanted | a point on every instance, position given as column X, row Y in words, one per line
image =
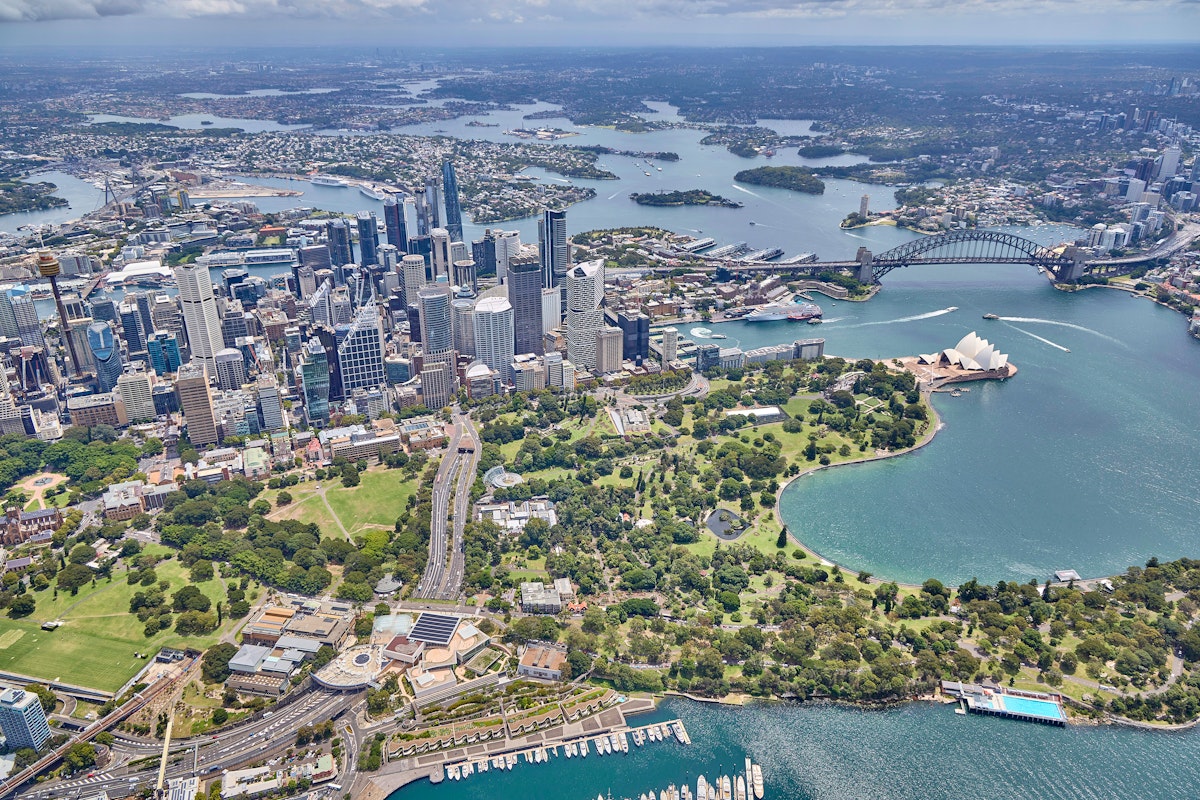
column 606, row 744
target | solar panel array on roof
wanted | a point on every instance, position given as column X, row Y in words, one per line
column 434, row 628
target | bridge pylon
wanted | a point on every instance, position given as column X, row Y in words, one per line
column 864, row 273
column 1073, row 271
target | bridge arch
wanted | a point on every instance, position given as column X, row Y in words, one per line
column 971, row 247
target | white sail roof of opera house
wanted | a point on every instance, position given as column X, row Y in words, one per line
column 971, row 353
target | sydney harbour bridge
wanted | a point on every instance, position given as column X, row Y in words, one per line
column 1065, row 262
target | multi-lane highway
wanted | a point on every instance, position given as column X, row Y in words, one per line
column 135, row 763
column 455, row 476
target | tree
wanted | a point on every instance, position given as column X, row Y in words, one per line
column 283, row 498
column 782, row 540
column 22, row 606
column 79, row 756
column 219, row 716
column 214, row 666
column 350, row 476
column 44, row 694
column 74, row 576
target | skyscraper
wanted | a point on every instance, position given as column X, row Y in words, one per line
column 442, row 260
column 270, row 409
column 437, row 332
column 585, row 316
column 135, row 389
column 635, row 329
column 200, row 318
column 494, row 334
column 49, row 267
column 525, row 296
column 608, row 350
column 28, row 327
column 340, row 251
column 132, row 329
column 231, row 369
column 670, row 344
column 394, row 223
column 462, row 320
column 554, row 248
column 437, row 385
column 453, row 210
column 360, row 353
column 464, row 274
column 412, row 277
column 23, row 719
column 163, row 350
column 314, row 382
column 368, row 238
column 195, row 401
column 106, row 355
column 8, row 317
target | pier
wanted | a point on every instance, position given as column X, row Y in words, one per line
column 1045, row 709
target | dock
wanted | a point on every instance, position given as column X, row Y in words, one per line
column 1039, row 707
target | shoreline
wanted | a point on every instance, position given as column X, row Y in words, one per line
column 935, row 425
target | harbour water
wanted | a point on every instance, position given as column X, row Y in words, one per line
column 822, row 752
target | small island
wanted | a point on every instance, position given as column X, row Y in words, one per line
column 17, row 196
column 690, row 197
column 798, row 179
column 820, row 151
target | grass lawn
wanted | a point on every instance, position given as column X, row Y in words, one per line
column 95, row 646
column 310, row 509
column 377, row 501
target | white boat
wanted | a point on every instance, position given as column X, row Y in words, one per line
column 568, row 751
column 701, row 788
column 483, row 766
column 718, row 336
column 624, row 742
column 372, row 192
column 726, row 790
column 468, row 769
column 614, row 741
column 320, row 181
column 583, row 748
column 757, row 781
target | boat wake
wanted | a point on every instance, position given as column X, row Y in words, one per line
column 1064, row 325
column 913, row 318
column 614, row 194
column 747, row 191
column 1040, row 339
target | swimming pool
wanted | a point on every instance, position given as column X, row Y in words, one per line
column 1031, row 707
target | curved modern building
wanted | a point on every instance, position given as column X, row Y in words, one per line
column 106, row 355
column 971, row 353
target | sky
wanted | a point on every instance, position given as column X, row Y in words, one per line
column 122, row 23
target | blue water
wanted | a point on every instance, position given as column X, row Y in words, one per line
column 1034, row 708
column 814, row 752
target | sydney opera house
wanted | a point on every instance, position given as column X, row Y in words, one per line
column 972, row 355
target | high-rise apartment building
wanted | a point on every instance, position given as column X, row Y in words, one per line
column 585, row 315
column 136, row 391
column 270, row 407
column 438, row 384
column 494, row 333
column 525, row 295
column 23, row 719
column 231, row 369
column 670, row 344
column 462, row 321
column 412, row 277
column 608, row 351
column 195, row 401
column 200, row 318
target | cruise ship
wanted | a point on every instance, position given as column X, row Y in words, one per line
column 320, row 181
column 795, row 312
column 372, row 192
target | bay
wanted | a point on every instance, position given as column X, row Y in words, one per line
column 823, row 752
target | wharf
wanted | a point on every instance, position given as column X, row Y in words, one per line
column 434, row 766
column 1045, row 709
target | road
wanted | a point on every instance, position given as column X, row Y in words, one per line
column 455, row 476
column 251, row 741
column 1169, row 246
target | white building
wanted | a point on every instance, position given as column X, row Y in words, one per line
column 585, row 316
column 494, row 333
column 134, row 387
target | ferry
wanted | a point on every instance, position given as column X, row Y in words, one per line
column 718, row 336
column 757, row 780
column 320, row 181
column 795, row 312
column 752, row 222
column 815, row 321
column 991, row 316
column 372, row 192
